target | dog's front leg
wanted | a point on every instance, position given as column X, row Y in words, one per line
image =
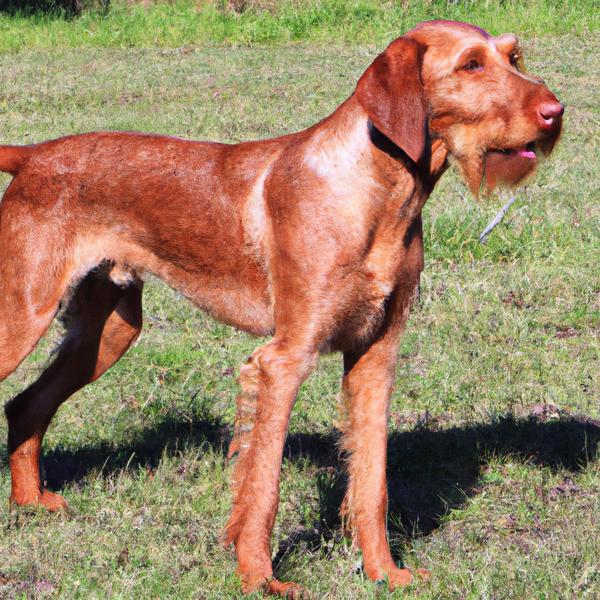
column 271, row 377
column 367, row 385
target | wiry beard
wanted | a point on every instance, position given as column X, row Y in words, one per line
column 483, row 171
column 502, row 170
column 501, row 163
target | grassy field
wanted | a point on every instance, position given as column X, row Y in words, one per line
column 201, row 22
column 494, row 479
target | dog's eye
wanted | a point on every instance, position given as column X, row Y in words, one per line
column 514, row 60
column 473, row 65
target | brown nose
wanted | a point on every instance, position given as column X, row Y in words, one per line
column 549, row 112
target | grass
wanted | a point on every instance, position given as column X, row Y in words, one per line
column 494, row 476
column 199, row 23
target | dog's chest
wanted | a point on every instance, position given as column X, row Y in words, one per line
column 388, row 270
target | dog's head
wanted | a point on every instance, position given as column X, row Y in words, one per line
column 455, row 82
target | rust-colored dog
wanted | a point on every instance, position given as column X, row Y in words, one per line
column 314, row 238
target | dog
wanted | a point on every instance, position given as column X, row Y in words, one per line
column 314, row 238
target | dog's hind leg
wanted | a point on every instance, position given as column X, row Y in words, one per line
column 31, row 287
column 103, row 319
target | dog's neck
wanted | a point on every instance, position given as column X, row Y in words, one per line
column 347, row 145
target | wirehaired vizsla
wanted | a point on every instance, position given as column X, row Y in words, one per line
column 313, row 238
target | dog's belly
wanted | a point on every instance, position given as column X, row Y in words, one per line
column 227, row 281
column 239, row 297
column 237, row 307
column 236, row 294
column 238, row 301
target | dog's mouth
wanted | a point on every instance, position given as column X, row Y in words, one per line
column 510, row 166
column 527, row 152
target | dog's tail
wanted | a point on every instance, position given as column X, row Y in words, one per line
column 13, row 158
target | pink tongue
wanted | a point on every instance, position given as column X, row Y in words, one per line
column 526, row 153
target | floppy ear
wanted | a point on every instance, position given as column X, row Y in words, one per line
column 392, row 94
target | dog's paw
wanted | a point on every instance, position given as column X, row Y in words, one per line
column 398, row 578
column 282, row 589
column 274, row 587
column 46, row 499
column 53, row 502
column 401, row 577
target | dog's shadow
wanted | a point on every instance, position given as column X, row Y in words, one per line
column 429, row 472
column 432, row 472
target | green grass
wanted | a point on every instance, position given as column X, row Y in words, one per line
column 494, row 479
column 197, row 23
